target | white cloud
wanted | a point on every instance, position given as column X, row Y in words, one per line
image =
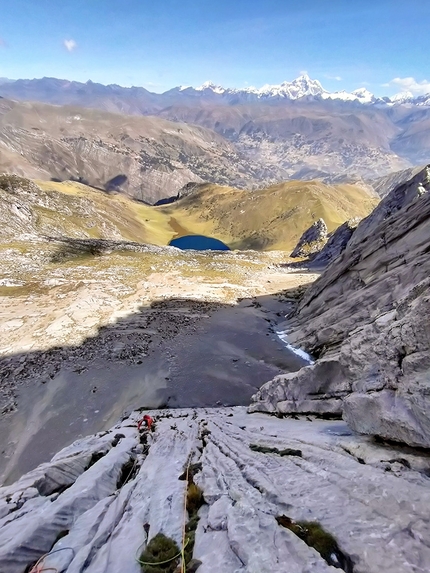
column 329, row 77
column 303, row 73
column 409, row 85
column 70, row 45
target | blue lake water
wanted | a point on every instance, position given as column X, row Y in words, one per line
column 198, row 243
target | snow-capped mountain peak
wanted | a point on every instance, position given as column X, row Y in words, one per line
column 402, row 97
column 211, row 86
column 304, row 86
column 300, row 87
column 364, row 95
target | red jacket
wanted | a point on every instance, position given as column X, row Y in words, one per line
column 148, row 421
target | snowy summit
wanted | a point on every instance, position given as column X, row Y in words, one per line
column 301, row 87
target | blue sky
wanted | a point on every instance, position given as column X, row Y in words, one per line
column 165, row 43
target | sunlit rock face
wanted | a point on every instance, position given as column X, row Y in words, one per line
column 312, row 240
column 366, row 320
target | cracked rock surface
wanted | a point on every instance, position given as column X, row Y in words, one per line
column 99, row 501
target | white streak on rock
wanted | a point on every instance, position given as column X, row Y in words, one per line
column 282, row 334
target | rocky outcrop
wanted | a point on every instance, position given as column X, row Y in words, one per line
column 95, row 506
column 384, row 185
column 312, row 240
column 184, row 191
column 400, row 197
column 366, row 320
column 336, row 244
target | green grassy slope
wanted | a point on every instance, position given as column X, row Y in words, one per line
column 268, row 219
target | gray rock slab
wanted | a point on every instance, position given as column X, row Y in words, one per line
column 378, row 517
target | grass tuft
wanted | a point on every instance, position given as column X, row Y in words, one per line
column 194, row 499
column 268, row 450
column 314, row 535
column 160, row 549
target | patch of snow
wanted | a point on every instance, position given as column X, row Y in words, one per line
column 282, row 334
column 402, row 97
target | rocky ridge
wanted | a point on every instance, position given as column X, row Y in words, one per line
column 335, row 245
column 365, row 320
column 320, row 254
column 147, row 158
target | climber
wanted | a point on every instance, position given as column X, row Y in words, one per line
column 145, row 420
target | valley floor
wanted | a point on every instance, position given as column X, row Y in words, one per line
column 85, row 337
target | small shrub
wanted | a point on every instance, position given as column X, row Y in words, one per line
column 194, row 502
column 160, row 549
column 13, row 183
column 194, row 499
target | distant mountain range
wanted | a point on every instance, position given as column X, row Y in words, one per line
column 301, row 87
column 53, row 90
column 147, row 158
column 293, row 130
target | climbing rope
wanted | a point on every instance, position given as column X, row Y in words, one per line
column 39, row 568
column 183, row 570
column 185, row 542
